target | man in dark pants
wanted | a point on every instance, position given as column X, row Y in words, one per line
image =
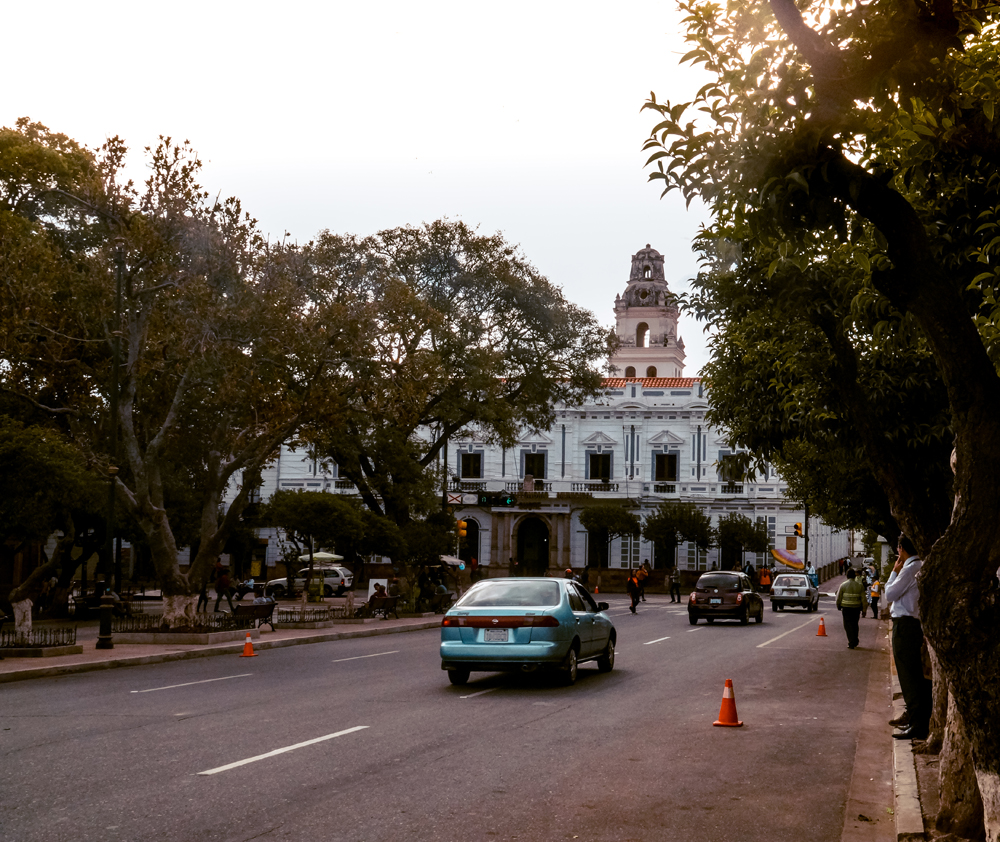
column 907, row 641
column 849, row 600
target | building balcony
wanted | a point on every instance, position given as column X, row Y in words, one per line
column 731, row 488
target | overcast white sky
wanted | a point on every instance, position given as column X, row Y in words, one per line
column 520, row 117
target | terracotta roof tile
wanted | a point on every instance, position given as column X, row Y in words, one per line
column 652, row 382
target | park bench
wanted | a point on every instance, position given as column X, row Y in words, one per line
column 259, row 612
column 383, row 605
column 441, row 602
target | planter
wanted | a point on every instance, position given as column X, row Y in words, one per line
column 182, row 638
column 40, row 651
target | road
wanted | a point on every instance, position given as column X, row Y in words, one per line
column 365, row 739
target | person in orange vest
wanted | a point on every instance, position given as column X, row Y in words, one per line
column 765, row 579
column 641, row 575
column 632, row 586
column 873, row 596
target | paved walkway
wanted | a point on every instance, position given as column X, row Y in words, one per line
column 883, row 801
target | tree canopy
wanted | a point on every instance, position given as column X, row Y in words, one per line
column 848, row 155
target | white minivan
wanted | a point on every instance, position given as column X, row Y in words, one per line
column 336, row 581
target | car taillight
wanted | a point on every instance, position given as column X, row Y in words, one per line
column 693, row 594
column 739, row 598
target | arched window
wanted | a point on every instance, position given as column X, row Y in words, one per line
column 642, row 335
column 630, row 371
column 647, row 272
column 651, row 371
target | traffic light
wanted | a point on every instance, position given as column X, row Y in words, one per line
column 485, row 499
column 507, row 500
column 461, row 528
column 798, row 529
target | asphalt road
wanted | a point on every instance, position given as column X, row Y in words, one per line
column 365, row 739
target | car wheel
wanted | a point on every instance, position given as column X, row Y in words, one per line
column 458, row 677
column 693, row 619
column 745, row 617
column 774, row 606
column 606, row 660
column 760, row 614
column 277, row 592
column 569, row 668
column 327, row 591
column 781, row 607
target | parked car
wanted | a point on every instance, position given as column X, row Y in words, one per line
column 336, row 581
column 794, row 589
column 526, row 624
column 725, row 595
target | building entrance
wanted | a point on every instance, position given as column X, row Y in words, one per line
column 533, row 547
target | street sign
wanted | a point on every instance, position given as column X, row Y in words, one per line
column 456, row 499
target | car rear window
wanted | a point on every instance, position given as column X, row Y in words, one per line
column 791, row 581
column 719, row 580
column 511, row 593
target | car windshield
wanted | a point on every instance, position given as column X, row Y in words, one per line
column 511, row 593
column 719, row 580
column 791, row 582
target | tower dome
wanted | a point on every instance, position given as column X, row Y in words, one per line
column 646, row 322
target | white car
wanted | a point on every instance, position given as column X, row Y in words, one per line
column 794, row 589
column 336, row 581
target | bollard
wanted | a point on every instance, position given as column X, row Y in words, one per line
column 104, row 640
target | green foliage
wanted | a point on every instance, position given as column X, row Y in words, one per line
column 466, row 336
column 607, row 521
column 675, row 521
column 736, row 534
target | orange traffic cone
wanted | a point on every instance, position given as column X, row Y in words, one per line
column 727, row 713
column 821, row 631
column 597, row 589
column 248, row 649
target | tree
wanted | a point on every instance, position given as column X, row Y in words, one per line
column 865, row 138
column 736, row 534
column 675, row 521
column 607, row 521
column 226, row 343
column 470, row 337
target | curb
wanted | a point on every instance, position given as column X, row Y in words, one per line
column 909, row 817
column 225, row 649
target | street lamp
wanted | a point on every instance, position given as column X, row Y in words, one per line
column 116, row 334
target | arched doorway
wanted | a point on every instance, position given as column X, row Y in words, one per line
column 533, row 547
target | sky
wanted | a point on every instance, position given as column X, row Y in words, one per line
column 522, row 117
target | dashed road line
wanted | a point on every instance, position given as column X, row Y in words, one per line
column 658, row 640
column 192, row 683
column 277, row 751
column 783, row 634
column 359, row 657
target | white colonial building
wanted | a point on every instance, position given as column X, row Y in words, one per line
column 645, row 440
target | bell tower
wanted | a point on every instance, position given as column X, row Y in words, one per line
column 646, row 322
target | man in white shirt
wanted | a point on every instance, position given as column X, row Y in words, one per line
column 907, row 640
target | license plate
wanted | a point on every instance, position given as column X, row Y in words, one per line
column 715, row 602
column 495, row 635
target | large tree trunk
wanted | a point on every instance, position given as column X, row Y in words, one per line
column 22, row 618
column 939, row 710
column 960, row 808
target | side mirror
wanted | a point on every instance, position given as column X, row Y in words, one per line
column 602, row 606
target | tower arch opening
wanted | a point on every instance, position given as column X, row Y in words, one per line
column 642, row 335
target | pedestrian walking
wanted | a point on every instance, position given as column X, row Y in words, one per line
column 642, row 576
column 873, row 595
column 222, row 588
column 765, row 579
column 902, row 591
column 674, row 577
column 632, row 587
column 850, row 598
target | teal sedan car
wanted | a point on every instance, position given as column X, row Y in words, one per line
column 524, row 625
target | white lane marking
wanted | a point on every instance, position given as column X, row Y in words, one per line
column 192, row 683
column 696, row 628
column 359, row 657
column 658, row 640
column 480, row 693
column 282, row 750
column 802, row 626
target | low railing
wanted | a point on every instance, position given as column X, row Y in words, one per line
column 731, row 488
column 310, row 615
column 664, row 488
column 38, row 637
column 205, row 623
column 595, row 487
column 468, row 485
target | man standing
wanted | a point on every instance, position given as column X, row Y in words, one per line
column 907, row 641
column 850, row 598
column 675, row 584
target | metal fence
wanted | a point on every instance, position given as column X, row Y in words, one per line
column 39, row 637
column 206, row 623
column 310, row 615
